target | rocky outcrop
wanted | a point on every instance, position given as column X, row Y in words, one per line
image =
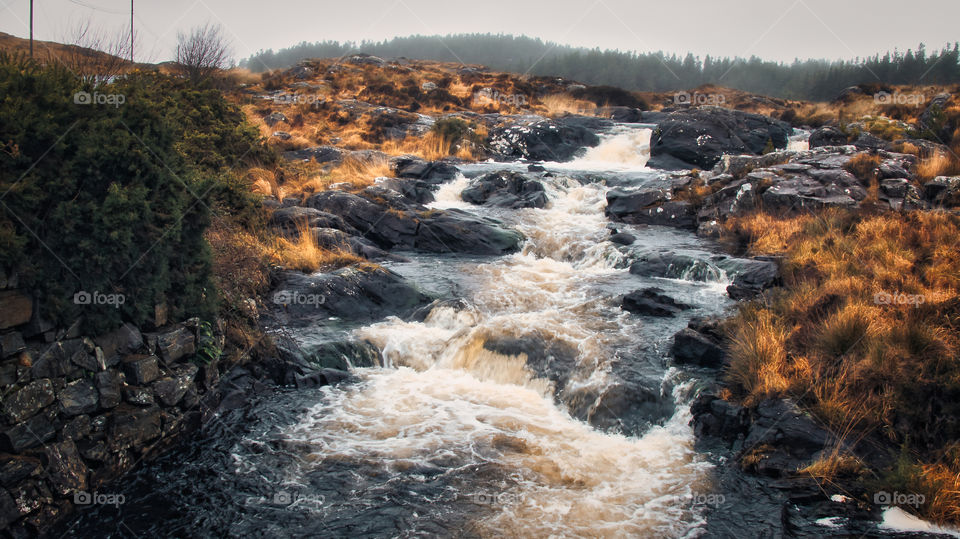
column 542, row 140
column 775, row 439
column 505, row 189
column 698, row 137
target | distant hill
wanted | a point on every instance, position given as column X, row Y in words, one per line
column 651, row 72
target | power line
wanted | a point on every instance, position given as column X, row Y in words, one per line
column 97, row 8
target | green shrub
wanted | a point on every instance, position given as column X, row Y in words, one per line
column 115, row 198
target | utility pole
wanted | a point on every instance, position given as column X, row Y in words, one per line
column 31, row 28
column 131, row 31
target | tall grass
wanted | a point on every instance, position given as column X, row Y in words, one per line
column 864, row 333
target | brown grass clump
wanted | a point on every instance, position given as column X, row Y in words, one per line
column 864, row 334
column 940, row 164
column 560, row 104
column 303, row 253
column 357, row 173
column 864, row 167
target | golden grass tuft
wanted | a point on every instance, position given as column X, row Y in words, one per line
column 864, row 166
column 358, row 173
column 561, row 104
column 303, row 253
column 940, row 164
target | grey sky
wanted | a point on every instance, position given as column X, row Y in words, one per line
column 772, row 29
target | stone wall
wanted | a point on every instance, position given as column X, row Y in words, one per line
column 77, row 412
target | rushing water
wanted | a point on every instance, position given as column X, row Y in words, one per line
column 532, row 407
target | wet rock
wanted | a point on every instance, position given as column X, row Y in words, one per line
column 393, row 222
column 619, row 114
column 713, row 416
column 652, row 302
column 692, row 347
column 16, row 308
column 28, row 400
column 349, row 293
column 16, row 468
column 550, row 359
column 127, row 339
column 79, row 397
column 750, row 276
column 175, row 345
column 138, row 396
column 505, row 189
column 109, row 384
column 65, row 468
column 9, row 512
column 624, row 205
column 35, row 431
column 793, row 438
column 171, row 389
column 11, row 343
column 545, row 140
column 675, row 266
column 701, row 136
column 431, row 172
column 76, row 429
column 141, row 369
column 96, row 451
column 344, row 355
column 827, row 136
column 325, row 377
column 131, row 426
column 622, row 238
column 624, row 407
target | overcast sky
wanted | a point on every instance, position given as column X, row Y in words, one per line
column 773, row 29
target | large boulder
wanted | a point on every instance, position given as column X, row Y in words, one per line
column 652, row 302
column 432, row 172
column 393, row 222
column 701, row 136
column 545, row 140
column 505, row 189
column 827, row 136
column 320, row 154
column 350, row 293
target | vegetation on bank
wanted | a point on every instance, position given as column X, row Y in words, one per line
column 864, row 334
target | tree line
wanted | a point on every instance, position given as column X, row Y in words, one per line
column 656, row 71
